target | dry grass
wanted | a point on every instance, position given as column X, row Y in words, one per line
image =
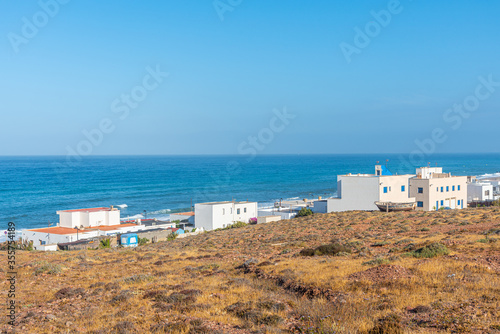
column 151, row 289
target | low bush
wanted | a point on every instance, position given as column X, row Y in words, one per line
column 305, row 212
column 105, row 243
column 172, row 236
column 432, row 250
column 330, row 249
column 48, row 268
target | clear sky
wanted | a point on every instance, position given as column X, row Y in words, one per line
column 354, row 79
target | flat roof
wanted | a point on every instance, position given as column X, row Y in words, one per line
column 183, row 214
column 109, row 227
column 68, row 230
column 227, row 202
column 375, row 175
column 56, row 230
column 89, row 210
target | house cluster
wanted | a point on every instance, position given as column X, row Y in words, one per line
column 428, row 189
column 79, row 228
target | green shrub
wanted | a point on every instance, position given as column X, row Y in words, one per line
column 172, row 236
column 432, row 250
column 143, row 241
column 305, row 212
column 105, row 243
column 330, row 249
column 48, row 268
column 29, row 246
column 235, row 225
column 307, row 252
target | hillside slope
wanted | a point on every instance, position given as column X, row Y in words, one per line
column 376, row 273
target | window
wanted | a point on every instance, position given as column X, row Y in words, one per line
column 458, row 188
column 487, row 193
column 420, row 190
column 223, row 211
column 442, row 203
column 458, row 202
column 386, row 190
column 442, row 189
column 238, row 211
column 447, row 188
column 420, row 204
column 453, row 188
column 403, row 188
column 245, row 210
column 437, row 189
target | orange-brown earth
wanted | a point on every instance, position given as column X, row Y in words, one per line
column 434, row 272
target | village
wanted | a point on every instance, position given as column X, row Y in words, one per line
column 429, row 189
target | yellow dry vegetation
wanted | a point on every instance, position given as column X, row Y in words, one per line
column 200, row 285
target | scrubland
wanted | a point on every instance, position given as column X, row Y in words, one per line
column 353, row 272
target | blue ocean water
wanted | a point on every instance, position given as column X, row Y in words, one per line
column 32, row 189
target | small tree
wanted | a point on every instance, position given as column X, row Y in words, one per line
column 305, row 212
column 143, row 241
column 172, row 236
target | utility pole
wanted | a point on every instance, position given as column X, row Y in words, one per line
column 48, row 234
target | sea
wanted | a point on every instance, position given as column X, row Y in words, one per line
column 33, row 188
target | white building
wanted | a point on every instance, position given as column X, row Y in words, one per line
column 210, row 216
column 434, row 189
column 54, row 235
column 89, row 217
column 361, row 191
column 286, row 209
column 284, row 213
column 58, row 234
column 480, row 192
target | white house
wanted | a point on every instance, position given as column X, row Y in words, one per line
column 434, row 189
column 55, row 235
column 480, row 192
column 285, row 209
column 210, row 216
column 89, row 217
column 361, row 191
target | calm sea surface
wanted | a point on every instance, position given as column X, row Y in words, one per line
column 32, row 189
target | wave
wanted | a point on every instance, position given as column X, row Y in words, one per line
column 488, row 176
column 159, row 212
column 122, row 206
column 132, row 217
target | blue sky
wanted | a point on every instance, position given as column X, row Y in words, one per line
column 225, row 77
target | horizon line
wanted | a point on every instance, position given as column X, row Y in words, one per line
column 232, row 154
